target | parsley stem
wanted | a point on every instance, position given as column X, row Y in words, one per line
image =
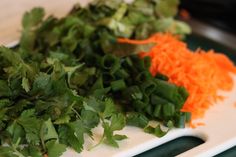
column 42, row 141
column 103, row 136
column 94, row 146
column 77, row 114
column 14, row 147
column 17, row 142
column 16, row 152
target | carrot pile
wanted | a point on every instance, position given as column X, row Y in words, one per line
column 202, row 73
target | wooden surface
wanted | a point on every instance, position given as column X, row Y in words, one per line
column 11, row 13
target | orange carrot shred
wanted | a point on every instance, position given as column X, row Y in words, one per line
column 191, row 125
column 200, row 124
column 184, row 14
column 234, row 104
column 202, row 73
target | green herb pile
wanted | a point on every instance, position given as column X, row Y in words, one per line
column 69, row 75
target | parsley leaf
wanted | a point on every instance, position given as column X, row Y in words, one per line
column 68, row 137
column 29, row 22
column 7, row 152
column 48, row 131
column 25, row 84
column 31, row 126
column 117, row 121
column 55, row 149
column 4, row 89
column 90, row 118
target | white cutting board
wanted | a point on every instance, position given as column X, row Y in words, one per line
column 219, row 134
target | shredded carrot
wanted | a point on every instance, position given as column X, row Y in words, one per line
column 234, row 104
column 45, row 155
column 184, row 14
column 192, row 125
column 195, row 125
column 200, row 124
column 202, row 73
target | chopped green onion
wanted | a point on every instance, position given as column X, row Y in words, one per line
column 149, row 110
column 180, row 120
column 132, row 93
column 187, row 116
column 128, row 62
column 139, row 105
column 157, row 100
column 118, row 85
column 148, row 87
column 143, row 76
column 183, row 92
column 166, row 90
column 107, row 78
column 168, row 110
column 147, row 62
column 145, row 98
column 110, row 62
column 158, row 111
column 161, row 77
column 122, row 73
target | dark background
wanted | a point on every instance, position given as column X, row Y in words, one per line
column 219, row 13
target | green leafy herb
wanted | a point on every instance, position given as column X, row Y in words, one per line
column 55, row 149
